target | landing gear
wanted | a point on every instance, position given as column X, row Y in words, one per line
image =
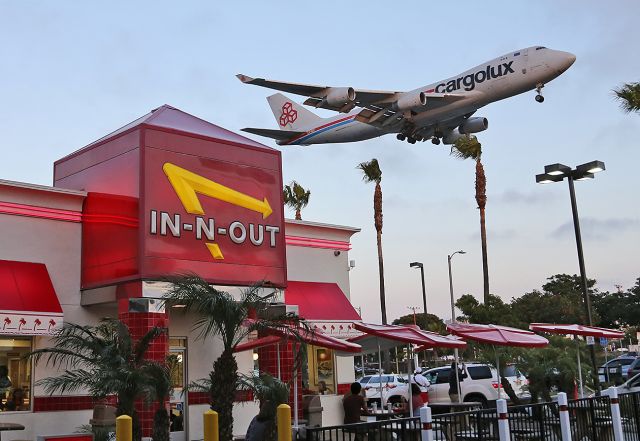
column 411, row 140
column 539, row 97
column 401, row 137
column 435, row 141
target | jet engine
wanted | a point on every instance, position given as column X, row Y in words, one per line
column 410, row 100
column 452, row 137
column 473, row 125
column 339, row 96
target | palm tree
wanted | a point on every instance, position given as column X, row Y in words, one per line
column 468, row 147
column 266, row 388
column 629, row 96
column 105, row 360
column 232, row 320
column 296, row 197
column 372, row 173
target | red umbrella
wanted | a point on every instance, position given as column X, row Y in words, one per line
column 378, row 337
column 497, row 335
column 590, row 331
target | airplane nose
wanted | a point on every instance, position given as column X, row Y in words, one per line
column 564, row 60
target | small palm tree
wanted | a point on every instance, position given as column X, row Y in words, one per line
column 372, row 173
column 219, row 313
column 296, row 197
column 267, row 389
column 468, row 147
column 105, row 360
column 629, row 96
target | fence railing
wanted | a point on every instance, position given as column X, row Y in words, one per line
column 596, row 419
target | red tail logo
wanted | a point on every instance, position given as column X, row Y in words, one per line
column 289, row 114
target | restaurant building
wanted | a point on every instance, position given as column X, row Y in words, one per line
column 167, row 194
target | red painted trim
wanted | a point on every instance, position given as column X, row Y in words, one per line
column 321, row 127
column 615, row 401
column 427, row 426
column 502, row 416
column 40, row 212
column 564, row 408
column 110, row 219
column 310, row 242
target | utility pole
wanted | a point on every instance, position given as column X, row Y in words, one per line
column 414, row 309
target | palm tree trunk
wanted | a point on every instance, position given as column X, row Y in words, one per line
column 298, row 214
column 481, row 199
column 377, row 214
column 223, row 391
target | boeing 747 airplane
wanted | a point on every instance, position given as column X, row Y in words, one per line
column 441, row 111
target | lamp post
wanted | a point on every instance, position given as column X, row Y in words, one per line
column 424, row 292
column 449, row 257
column 453, row 320
column 557, row 173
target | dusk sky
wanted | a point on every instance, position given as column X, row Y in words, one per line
column 73, row 71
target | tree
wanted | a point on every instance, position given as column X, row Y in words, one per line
column 105, row 360
column 621, row 308
column 468, row 147
column 629, row 96
column 428, row 322
column 492, row 311
column 266, row 388
column 372, row 173
column 296, row 197
column 232, row 320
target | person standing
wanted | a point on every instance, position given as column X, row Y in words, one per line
column 454, row 385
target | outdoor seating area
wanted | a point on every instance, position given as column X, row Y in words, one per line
column 588, row 419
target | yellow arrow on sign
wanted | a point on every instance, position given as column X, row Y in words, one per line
column 187, row 184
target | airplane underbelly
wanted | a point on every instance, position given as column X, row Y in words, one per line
column 354, row 131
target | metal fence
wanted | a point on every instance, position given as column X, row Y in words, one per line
column 589, row 419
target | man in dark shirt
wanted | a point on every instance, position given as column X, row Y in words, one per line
column 354, row 405
column 454, row 386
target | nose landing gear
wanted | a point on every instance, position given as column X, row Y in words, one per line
column 435, row 141
column 539, row 97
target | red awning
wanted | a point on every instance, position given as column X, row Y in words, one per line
column 28, row 303
column 592, row 331
column 257, row 343
column 497, row 335
column 320, row 301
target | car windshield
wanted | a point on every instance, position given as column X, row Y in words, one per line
column 511, row 371
column 365, row 380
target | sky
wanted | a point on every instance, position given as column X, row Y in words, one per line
column 73, row 71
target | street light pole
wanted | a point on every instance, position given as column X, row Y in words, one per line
column 556, row 173
column 453, row 320
column 424, row 291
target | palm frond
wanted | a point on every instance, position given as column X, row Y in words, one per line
column 371, row 171
column 467, row 147
column 629, row 97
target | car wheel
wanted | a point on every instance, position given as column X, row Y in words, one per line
column 478, row 398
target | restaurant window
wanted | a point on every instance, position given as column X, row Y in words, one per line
column 321, row 370
column 15, row 374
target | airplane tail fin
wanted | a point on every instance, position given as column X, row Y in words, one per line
column 291, row 115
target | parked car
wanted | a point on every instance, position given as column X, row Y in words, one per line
column 372, row 384
column 634, row 368
column 630, row 386
column 480, row 385
column 616, row 369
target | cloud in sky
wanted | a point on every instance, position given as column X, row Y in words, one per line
column 597, row 229
column 510, row 196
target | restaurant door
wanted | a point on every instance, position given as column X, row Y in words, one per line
column 178, row 400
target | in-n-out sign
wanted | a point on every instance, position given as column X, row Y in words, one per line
column 187, row 186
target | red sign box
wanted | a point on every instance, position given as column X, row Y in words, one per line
column 173, row 194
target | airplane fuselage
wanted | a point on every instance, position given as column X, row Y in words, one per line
column 503, row 77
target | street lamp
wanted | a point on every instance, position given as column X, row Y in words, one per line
column 449, row 257
column 453, row 320
column 557, row 173
column 424, row 292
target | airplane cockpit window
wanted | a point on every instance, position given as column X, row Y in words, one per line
column 540, row 47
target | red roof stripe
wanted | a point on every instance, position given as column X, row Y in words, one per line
column 319, row 301
column 26, row 287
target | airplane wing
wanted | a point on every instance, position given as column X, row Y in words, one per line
column 316, row 94
column 280, row 135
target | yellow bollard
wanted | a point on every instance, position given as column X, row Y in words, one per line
column 284, row 423
column 211, row 432
column 124, row 428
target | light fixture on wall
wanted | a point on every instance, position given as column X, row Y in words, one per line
column 255, row 356
column 336, row 253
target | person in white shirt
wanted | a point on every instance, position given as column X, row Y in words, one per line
column 419, row 379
